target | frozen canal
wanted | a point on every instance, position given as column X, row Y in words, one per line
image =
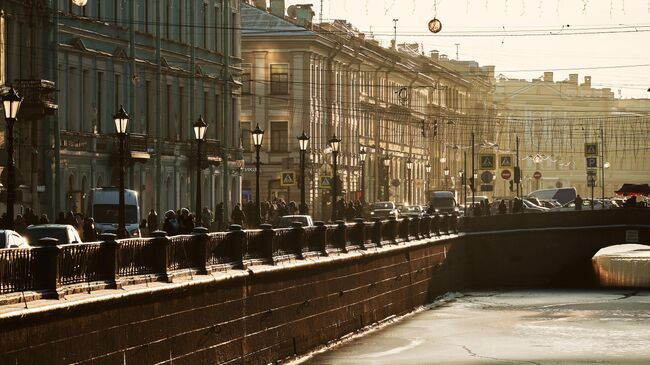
column 517, row 327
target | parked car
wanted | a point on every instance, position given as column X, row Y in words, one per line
column 287, row 220
column 411, row 211
column 443, row 201
column 384, row 210
column 65, row 233
column 11, row 239
column 530, row 207
column 586, row 205
column 562, row 195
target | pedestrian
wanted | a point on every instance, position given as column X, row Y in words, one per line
column 503, row 208
column 43, row 219
column 20, row 225
column 60, row 219
column 90, row 234
column 186, row 221
column 152, row 221
column 238, row 216
column 218, row 217
column 144, row 231
column 578, row 202
column 206, row 217
column 170, row 225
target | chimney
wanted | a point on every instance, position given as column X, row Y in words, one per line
column 277, row 8
column 573, row 79
column 587, row 81
column 434, row 54
column 260, row 4
column 548, row 76
column 304, row 15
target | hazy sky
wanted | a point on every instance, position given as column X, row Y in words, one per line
column 618, row 61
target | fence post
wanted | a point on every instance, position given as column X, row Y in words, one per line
column 425, row 226
column 47, row 268
column 404, row 227
column 376, row 232
column 415, row 227
column 444, row 224
column 341, row 235
column 392, row 222
column 435, row 224
column 238, row 239
column 200, row 246
column 298, row 242
column 161, row 255
column 110, row 254
column 360, row 227
column 321, row 246
column 267, row 233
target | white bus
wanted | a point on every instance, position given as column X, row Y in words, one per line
column 103, row 206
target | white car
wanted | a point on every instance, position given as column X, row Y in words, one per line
column 11, row 239
column 586, row 205
column 286, row 220
column 65, row 233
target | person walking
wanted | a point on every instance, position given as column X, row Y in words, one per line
column 503, row 208
column 578, row 202
column 152, row 221
column 90, row 235
column 238, row 216
column 218, row 217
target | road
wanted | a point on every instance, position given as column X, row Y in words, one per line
column 518, row 327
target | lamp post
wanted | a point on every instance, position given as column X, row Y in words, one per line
column 446, row 172
column 362, row 158
column 427, row 168
column 335, row 143
column 11, row 104
column 303, row 142
column 258, row 136
column 200, row 126
column 461, row 176
column 386, row 161
column 121, row 122
column 409, row 166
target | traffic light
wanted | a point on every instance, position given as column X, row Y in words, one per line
column 517, row 175
column 512, row 185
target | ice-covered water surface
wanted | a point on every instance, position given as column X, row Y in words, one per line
column 518, row 327
column 623, row 266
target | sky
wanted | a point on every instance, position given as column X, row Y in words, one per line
column 522, row 38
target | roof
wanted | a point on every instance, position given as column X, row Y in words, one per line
column 262, row 23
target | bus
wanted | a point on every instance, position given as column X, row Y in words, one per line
column 103, row 206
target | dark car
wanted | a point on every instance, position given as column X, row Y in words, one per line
column 384, row 210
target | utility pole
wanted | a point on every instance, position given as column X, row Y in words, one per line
column 602, row 165
column 472, row 175
column 519, row 180
column 395, row 32
column 457, row 45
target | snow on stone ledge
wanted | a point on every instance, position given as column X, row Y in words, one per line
column 623, row 266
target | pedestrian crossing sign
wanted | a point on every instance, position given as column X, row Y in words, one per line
column 487, row 161
column 326, row 182
column 288, row 178
column 591, row 149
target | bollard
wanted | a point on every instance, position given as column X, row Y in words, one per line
column 360, row 236
column 237, row 241
column 435, row 224
column 46, row 277
column 298, row 240
column 321, row 242
column 268, row 234
column 341, row 236
column 415, row 227
column 376, row 232
column 404, row 229
column 392, row 223
column 160, row 252
column 200, row 248
column 425, row 226
column 111, row 260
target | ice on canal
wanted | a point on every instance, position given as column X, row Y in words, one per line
column 515, row 327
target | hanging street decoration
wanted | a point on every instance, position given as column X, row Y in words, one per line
column 435, row 25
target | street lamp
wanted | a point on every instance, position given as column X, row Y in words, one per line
column 362, row 158
column 200, row 126
column 461, row 176
column 335, row 143
column 446, row 172
column 427, row 168
column 386, row 161
column 303, row 142
column 258, row 136
column 11, row 104
column 409, row 166
column 121, row 122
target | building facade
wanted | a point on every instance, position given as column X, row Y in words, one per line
column 167, row 62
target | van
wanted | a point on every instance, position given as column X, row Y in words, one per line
column 561, row 195
column 443, row 201
column 103, row 206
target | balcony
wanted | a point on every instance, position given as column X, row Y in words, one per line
column 38, row 98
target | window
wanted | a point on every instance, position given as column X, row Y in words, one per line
column 217, row 29
column 168, row 103
column 180, row 20
column 168, row 19
column 280, row 79
column 246, row 136
column 279, row 136
column 117, row 95
column 205, row 25
column 246, row 79
column 145, row 16
column 181, row 112
column 148, row 104
column 99, row 9
column 100, row 101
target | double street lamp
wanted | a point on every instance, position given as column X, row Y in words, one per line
column 121, row 122
column 200, row 126
column 335, row 143
column 427, row 168
column 446, row 172
column 258, row 136
column 11, row 104
column 409, row 166
column 362, row 158
column 303, row 142
column 386, row 161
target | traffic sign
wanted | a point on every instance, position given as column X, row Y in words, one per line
column 591, row 149
column 591, row 178
column 487, row 187
column 326, row 182
column 506, row 174
column 288, row 178
column 592, row 162
column 537, row 175
column 505, row 160
column 487, row 161
column 487, row 177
